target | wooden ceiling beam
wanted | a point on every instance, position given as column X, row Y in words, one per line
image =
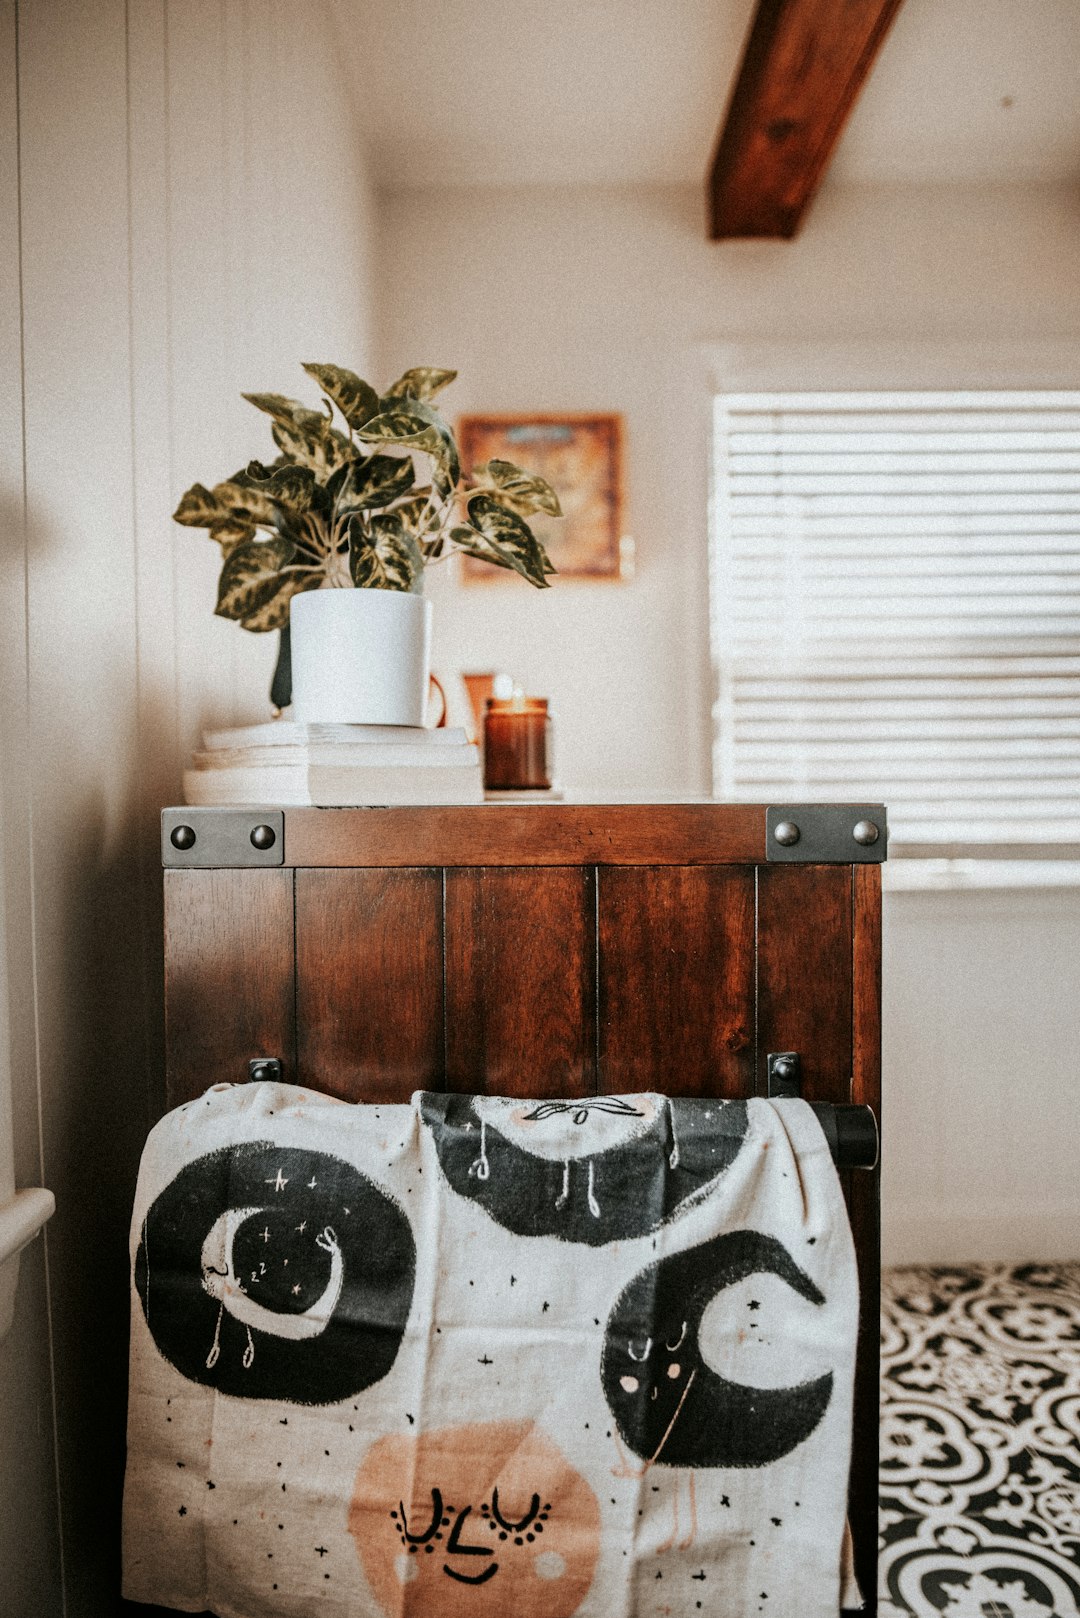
column 803, row 66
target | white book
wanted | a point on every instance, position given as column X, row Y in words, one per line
column 286, row 733
column 345, row 755
column 290, row 785
column 339, row 787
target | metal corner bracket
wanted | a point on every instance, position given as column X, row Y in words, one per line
column 200, row 839
column 826, row 834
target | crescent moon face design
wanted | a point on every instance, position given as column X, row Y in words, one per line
column 274, row 1273
column 671, row 1408
column 596, row 1170
column 222, row 1281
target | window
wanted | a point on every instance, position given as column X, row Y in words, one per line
column 896, row 609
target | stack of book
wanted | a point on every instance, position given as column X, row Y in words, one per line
column 334, row 765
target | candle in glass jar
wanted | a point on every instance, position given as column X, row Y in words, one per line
column 517, row 743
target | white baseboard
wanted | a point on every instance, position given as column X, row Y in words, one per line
column 1049, row 1234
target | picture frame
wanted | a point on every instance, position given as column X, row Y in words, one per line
column 581, row 455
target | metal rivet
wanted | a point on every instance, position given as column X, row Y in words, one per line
column 786, row 833
column 182, row 837
column 263, row 837
column 866, row 833
column 264, row 1069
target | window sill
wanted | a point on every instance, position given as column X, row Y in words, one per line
column 907, row 872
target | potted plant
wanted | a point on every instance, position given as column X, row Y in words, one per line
column 333, row 538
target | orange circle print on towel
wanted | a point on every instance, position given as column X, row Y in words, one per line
column 477, row 1521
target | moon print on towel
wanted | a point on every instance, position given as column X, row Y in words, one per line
column 483, row 1520
column 273, row 1273
column 596, row 1169
column 671, row 1408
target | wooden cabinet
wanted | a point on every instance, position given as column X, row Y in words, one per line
column 545, row 950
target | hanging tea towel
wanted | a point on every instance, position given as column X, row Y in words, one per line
column 475, row 1357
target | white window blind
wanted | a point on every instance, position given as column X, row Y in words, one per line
column 896, row 608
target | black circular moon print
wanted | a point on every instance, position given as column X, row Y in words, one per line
column 274, row 1273
column 595, row 1170
column 671, row 1408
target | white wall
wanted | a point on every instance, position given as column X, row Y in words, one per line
column 982, row 1062
column 184, row 214
column 602, row 299
column 580, row 298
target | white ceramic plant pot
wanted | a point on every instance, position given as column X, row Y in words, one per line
column 360, row 657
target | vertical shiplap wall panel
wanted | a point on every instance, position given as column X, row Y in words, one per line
column 30, row 1577
column 84, row 728
column 201, row 385
column 13, row 807
column 164, row 269
column 268, row 266
column 159, row 752
column 14, row 743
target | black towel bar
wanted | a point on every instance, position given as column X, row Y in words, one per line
column 851, row 1131
column 852, row 1134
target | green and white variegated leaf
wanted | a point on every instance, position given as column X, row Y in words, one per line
column 375, row 483
column 251, row 576
column 225, row 505
column 336, row 482
column 273, row 613
column 356, row 399
column 518, row 490
column 255, row 473
column 409, row 421
column 422, row 522
column 422, row 382
column 509, row 536
column 474, row 543
column 290, row 487
column 416, row 513
column 290, row 412
column 317, row 445
column 198, row 507
column 231, row 532
column 244, row 502
column 383, row 555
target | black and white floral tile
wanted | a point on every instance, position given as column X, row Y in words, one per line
column 980, row 1469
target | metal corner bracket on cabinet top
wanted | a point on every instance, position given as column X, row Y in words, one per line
column 827, row 833
column 200, row 839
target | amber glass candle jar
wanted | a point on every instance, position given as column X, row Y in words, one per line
column 517, row 744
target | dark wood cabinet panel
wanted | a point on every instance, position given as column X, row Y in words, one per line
column 369, row 982
column 676, row 970
column 866, row 986
column 228, row 976
column 517, row 834
column 520, row 1001
column 863, row 1194
column 864, row 1207
column 804, row 973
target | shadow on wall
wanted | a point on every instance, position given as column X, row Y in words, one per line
column 85, row 970
column 103, row 1084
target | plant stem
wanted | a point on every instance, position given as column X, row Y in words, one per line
column 316, row 531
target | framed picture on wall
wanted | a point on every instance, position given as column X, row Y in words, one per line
column 581, row 457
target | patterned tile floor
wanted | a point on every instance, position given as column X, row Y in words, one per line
column 980, row 1473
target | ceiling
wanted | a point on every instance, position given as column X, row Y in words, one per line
column 562, row 92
